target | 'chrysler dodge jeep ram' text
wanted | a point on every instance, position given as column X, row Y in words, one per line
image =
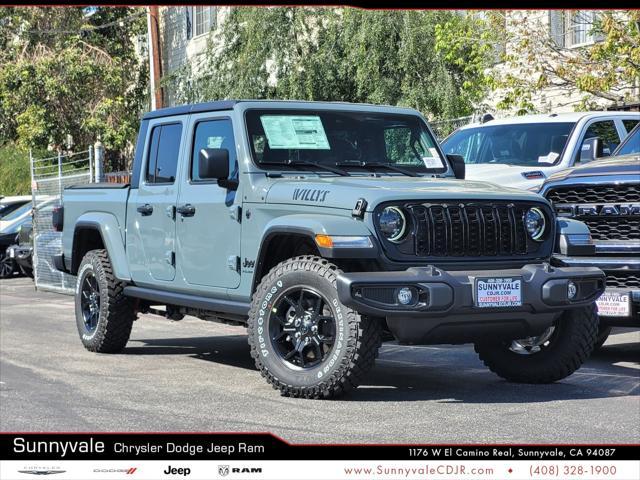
column 325, row 228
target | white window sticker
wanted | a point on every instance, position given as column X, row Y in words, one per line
column 549, row 158
column 214, row 142
column 300, row 132
column 433, row 160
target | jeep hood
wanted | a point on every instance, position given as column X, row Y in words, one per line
column 344, row 192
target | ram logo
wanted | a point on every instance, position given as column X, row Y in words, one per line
column 598, row 210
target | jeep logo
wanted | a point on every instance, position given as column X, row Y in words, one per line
column 598, row 209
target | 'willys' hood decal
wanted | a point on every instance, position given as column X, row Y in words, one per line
column 344, row 192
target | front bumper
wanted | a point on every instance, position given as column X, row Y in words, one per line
column 446, row 309
column 21, row 255
column 624, row 270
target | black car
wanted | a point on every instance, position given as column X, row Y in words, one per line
column 605, row 194
column 22, row 251
column 8, row 237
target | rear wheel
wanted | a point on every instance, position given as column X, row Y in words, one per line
column 303, row 340
column 104, row 315
column 553, row 355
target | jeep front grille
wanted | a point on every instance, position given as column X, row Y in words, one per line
column 470, row 230
column 602, row 227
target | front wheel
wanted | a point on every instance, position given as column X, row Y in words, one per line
column 551, row 356
column 304, row 341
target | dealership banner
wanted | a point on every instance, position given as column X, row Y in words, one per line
column 264, row 456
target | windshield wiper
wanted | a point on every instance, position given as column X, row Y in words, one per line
column 328, row 168
column 373, row 165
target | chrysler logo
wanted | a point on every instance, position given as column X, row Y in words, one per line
column 41, row 472
column 598, row 209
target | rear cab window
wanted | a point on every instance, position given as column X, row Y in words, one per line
column 163, row 154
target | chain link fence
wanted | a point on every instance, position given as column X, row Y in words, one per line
column 49, row 177
column 442, row 128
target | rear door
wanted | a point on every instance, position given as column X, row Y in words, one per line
column 151, row 213
column 209, row 234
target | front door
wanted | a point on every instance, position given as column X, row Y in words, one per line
column 154, row 205
column 208, row 229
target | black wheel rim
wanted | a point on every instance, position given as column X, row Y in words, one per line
column 90, row 302
column 302, row 328
column 6, row 266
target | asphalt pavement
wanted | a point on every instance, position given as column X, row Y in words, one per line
column 194, row 375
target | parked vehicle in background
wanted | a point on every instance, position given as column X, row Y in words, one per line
column 605, row 194
column 522, row 151
column 22, row 251
column 9, row 204
column 16, row 216
column 8, row 237
column 324, row 228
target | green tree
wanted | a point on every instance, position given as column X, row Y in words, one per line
column 539, row 54
column 338, row 54
column 64, row 71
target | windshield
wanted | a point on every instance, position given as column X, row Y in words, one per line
column 16, row 213
column 631, row 144
column 342, row 138
column 527, row 144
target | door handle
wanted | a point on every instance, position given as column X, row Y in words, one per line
column 145, row 210
column 187, row 210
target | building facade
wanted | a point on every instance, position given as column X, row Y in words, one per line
column 555, row 38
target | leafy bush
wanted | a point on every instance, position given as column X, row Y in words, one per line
column 15, row 177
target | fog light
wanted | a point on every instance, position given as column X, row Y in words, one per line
column 405, row 296
column 572, row 290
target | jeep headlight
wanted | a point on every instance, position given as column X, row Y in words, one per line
column 535, row 223
column 392, row 223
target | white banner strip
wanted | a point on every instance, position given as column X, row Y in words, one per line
column 319, row 470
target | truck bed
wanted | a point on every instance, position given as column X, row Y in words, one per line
column 110, row 198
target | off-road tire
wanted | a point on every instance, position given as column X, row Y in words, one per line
column 572, row 342
column 361, row 335
column 116, row 310
column 603, row 335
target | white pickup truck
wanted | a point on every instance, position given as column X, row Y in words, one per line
column 522, row 151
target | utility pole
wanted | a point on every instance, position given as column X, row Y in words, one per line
column 155, row 66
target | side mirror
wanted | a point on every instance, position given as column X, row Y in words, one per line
column 591, row 149
column 213, row 164
column 457, row 165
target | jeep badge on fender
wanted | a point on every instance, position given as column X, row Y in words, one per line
column 356, row 228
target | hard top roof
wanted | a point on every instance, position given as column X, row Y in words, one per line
column 229, row 104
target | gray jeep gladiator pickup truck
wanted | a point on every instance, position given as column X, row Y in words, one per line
column 325, row 228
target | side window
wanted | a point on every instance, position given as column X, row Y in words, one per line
column 606, row 130
column 213, row 134
column 629, row 124
column 164, row 153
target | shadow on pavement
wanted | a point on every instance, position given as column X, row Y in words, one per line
column 445, row 375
